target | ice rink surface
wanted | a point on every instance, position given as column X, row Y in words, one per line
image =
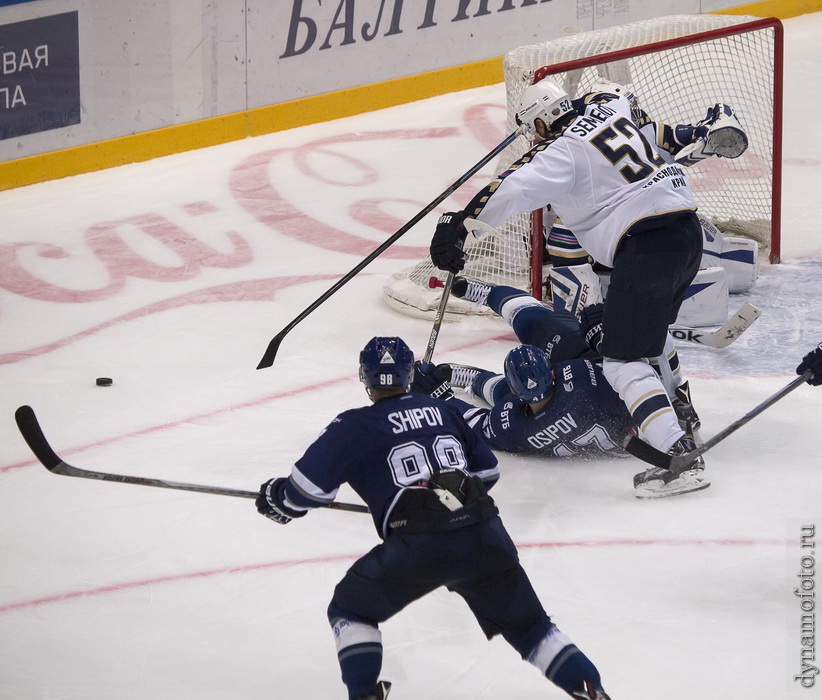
column 171, row 277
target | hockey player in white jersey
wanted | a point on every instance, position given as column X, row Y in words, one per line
column 719, row 135
column 633, row 211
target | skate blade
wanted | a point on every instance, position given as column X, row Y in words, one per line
column 685, row 483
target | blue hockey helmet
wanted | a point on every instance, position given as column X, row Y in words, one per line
column 386, row 363
column 528, row 373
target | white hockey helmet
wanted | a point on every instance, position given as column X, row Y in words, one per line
column 616, row 89
column 545, row 100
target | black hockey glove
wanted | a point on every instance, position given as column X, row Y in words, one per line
column 430, row 380
column 812, row 361
column 270, row 502
column 591, row 322
column 446, row 246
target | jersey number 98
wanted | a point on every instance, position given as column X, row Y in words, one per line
column 410, row 461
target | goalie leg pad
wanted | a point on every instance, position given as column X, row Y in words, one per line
column 706, row 302
column 740, row 261
column 712, row 241
column 575, row 287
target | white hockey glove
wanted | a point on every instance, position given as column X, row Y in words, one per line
column 719, row 134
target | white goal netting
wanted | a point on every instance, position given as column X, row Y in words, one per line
column 678, row 67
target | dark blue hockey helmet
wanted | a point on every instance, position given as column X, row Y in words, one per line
column 386, row 363
column 528, row 373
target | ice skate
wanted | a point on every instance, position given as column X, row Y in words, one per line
column 657, row 482
column 380, row 692
column 587, row 691
column 459, row 376
column 471, row 289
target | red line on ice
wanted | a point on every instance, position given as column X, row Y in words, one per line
column 175, row 578
column 248, row 404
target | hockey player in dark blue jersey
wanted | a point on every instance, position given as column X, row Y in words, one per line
column 556, row 402
column 562, row 410
column 424, row 475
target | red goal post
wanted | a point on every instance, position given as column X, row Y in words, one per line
column 677, row 66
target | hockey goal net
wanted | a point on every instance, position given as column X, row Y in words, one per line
column 677, row 66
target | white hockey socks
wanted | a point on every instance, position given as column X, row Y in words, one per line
column 643, row 393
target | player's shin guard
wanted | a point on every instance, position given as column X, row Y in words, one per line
column 558, row 658
column 643, row 393
column 359, row 652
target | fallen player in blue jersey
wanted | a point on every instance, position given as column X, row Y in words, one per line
column 553, row 398
column 424, row 475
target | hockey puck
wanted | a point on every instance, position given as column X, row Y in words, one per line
column 104, row 381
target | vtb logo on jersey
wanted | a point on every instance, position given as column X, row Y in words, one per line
column 568, row 378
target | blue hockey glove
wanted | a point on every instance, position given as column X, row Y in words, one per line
column 270, row 502
column 591, row 323
column 812, row 361
column 446, row 246
column 430, row 380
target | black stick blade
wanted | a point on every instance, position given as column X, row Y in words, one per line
column 33, row 435
column 271, row 350
column 642, row 450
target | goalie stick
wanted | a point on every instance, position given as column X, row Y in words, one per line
column 679, row 463
column 721, row 337
column 33, row 434
column 274, row 344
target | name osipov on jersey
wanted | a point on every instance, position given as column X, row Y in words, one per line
column 562, row 426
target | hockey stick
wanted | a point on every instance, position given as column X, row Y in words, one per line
column 446, row 293
column 435, row 329
column 679, row 463
column 721, row 337
column 33, row 435
column 271, row 351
